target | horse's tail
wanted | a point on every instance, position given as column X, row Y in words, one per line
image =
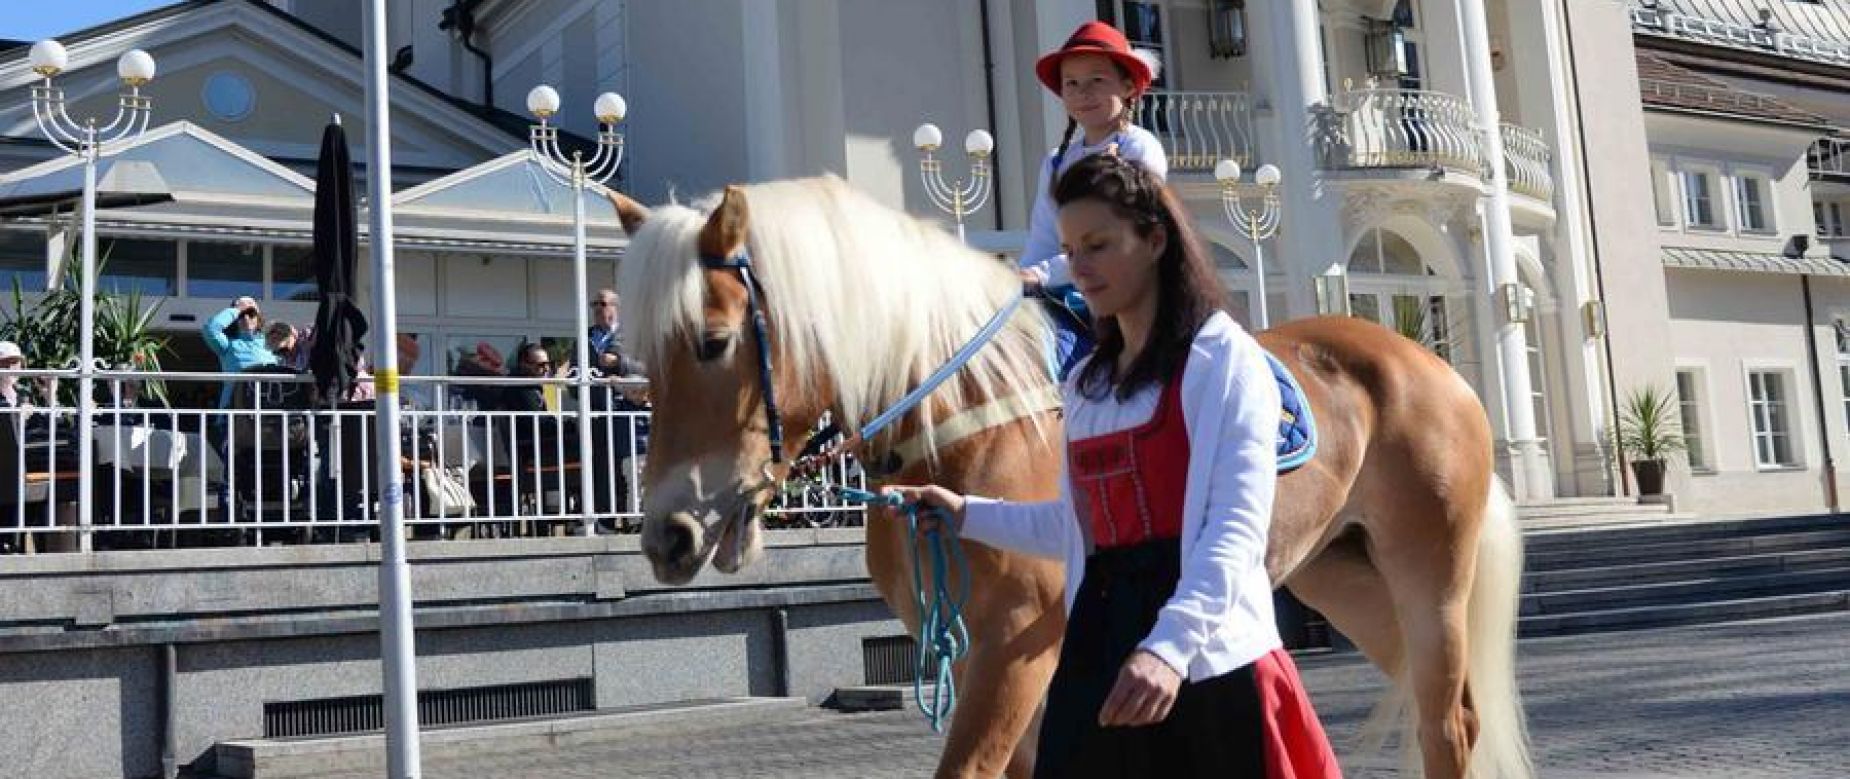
column 1502, row 749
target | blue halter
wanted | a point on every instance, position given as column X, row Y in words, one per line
column 742, row 262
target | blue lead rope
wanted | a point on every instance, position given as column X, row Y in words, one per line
column 943, row 637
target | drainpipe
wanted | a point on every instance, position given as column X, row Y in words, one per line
column 170, row 712
column 1599, row 274
column 989, row 101
column 1817, row 388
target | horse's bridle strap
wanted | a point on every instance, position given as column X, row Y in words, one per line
column 742, row 262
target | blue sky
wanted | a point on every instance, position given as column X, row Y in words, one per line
column 30, row 20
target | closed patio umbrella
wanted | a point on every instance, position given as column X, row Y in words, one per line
column 339, row 325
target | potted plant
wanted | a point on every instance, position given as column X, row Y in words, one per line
column 1649, row 432
column 49, row 331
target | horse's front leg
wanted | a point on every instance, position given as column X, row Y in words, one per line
column 1016, row 622
column 1015, row 619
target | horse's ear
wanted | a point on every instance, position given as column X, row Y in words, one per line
column 725, row 230
column 631, row 213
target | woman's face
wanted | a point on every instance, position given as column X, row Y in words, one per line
column 1113, row 265
column 1093, row 90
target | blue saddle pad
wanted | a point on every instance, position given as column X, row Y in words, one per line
column 1297, row 430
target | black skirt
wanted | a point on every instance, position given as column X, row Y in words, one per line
column 1216, row 727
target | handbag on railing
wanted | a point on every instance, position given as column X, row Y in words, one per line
column 446, row 491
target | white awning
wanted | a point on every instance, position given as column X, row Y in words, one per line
column 1752, row 262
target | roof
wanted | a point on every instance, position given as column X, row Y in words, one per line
column 506, row 121
column 1752, row 262
column 1812, row 31
column 1667, row 85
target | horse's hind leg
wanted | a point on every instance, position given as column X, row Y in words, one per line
column 1343, row 585
column 1430, row 582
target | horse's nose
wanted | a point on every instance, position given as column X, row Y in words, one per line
column 672, row 545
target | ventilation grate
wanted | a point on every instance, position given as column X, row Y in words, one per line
column 889, row 659
column 330, row 716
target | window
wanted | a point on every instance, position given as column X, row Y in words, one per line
column 1698, row 200
column 1770, row 407
column 1407, row 18
column 1689, row 398
column 148, row 267
column 22, row 260
column 224, row 271
column 1660, row 193
column 1842, row 330
column 1750, row 202
column 1384, row 251
column 292, row 273
column 1829, row 217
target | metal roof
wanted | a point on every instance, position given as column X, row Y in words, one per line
column 1752, row 262
column 1816, row 31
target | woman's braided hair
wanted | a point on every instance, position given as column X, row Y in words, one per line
column 1188, row 290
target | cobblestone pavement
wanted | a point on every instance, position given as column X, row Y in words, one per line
column 1768, row 699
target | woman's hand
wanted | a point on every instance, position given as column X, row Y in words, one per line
column 1143, row 695
column 949, row 505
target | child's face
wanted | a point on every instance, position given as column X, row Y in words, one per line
column 1093, row 90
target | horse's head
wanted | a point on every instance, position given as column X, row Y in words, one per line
column 754, row 321
column 701, row 327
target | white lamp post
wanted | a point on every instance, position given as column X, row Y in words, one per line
column 961, row 198
column 85, row 141
column 578, row 173
column 1258, row 223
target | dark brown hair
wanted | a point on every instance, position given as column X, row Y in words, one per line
column 1187, row 289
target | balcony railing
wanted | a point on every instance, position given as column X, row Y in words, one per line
column 1199, row 129
column 1527, row 161
column 1829, row 159
column 274, row 471
column 1401, row 128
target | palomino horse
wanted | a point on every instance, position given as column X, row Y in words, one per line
column 777, row 303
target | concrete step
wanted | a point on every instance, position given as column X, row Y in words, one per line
column 1543, row 582
column 293, row 758
column 1580, row 538
column 1694, row 591
column 1641, row 617
column 1624, row 507
column 1595, row 554
column 878, row 697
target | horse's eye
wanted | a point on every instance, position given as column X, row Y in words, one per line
column 714, row 345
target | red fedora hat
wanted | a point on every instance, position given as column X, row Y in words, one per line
column 1095, row 38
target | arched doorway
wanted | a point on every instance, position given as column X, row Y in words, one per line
column 1393, row 283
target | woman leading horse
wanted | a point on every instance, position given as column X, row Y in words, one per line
column 772, row 305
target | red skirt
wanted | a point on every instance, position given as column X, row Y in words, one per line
column 1254, row 721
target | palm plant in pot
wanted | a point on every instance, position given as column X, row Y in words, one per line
column 1650, row 431
column 49, row 331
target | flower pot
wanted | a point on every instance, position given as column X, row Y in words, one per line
column 1650, row 475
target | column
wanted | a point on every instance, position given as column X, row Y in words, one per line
column 1531, row 476
column 1309, row 238
column 1552, row 109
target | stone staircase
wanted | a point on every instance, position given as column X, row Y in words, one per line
column 1622, row 570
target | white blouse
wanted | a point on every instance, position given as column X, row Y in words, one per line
column 1220, row 617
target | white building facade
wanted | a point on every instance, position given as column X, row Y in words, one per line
column 1536, row 258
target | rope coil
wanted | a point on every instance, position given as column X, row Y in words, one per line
column 943, row 637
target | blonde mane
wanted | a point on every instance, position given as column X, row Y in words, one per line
column 871, row 297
